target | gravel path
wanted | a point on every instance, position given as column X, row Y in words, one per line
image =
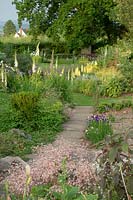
column 46, row 163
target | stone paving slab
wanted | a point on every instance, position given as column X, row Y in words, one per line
column 74, row 128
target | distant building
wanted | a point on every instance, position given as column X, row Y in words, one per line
column 20, row 33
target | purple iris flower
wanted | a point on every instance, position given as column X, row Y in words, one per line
column 98, row 118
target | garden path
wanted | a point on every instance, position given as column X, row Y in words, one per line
column 46, row 162
column 73, row 129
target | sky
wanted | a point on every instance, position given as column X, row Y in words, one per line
column 7, row 10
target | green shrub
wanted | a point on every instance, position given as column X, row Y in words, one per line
column 112, row 88
column 86, row 86
column 61, row 85
column 25, row 103
column 98, row 127
column 49, row 115
column 34, row 113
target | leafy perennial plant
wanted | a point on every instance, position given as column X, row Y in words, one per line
column 98, row 127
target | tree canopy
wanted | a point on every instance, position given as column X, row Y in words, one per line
column 80, row 22
column 125, row 14
column 9, row 28
column 40, row 14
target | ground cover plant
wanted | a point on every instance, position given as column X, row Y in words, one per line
column 118, row 105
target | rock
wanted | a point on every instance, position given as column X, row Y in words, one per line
column 8, row 160
column 21, row 133
column 18, row 132
column 5, row 165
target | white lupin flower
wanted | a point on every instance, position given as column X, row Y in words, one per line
column 15, row 61
column 37, row 49
column 27, row 169
column 2, row 72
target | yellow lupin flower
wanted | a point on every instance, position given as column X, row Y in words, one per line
column 88, row 69
column 82, row 68
column 62, row 72
column 72, row 74
column 77, row 72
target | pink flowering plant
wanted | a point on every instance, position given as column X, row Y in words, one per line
column 98, row 127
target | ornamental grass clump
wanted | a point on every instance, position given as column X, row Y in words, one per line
column 98, row 127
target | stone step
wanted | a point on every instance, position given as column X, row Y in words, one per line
column 72, row 133
column 74, row 128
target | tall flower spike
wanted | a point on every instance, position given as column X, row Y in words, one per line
column 37, row 49
column 2, row 72
column 27, row 169
column 15, row 60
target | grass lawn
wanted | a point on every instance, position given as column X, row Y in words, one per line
column 83, row 100
column 61, row 65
